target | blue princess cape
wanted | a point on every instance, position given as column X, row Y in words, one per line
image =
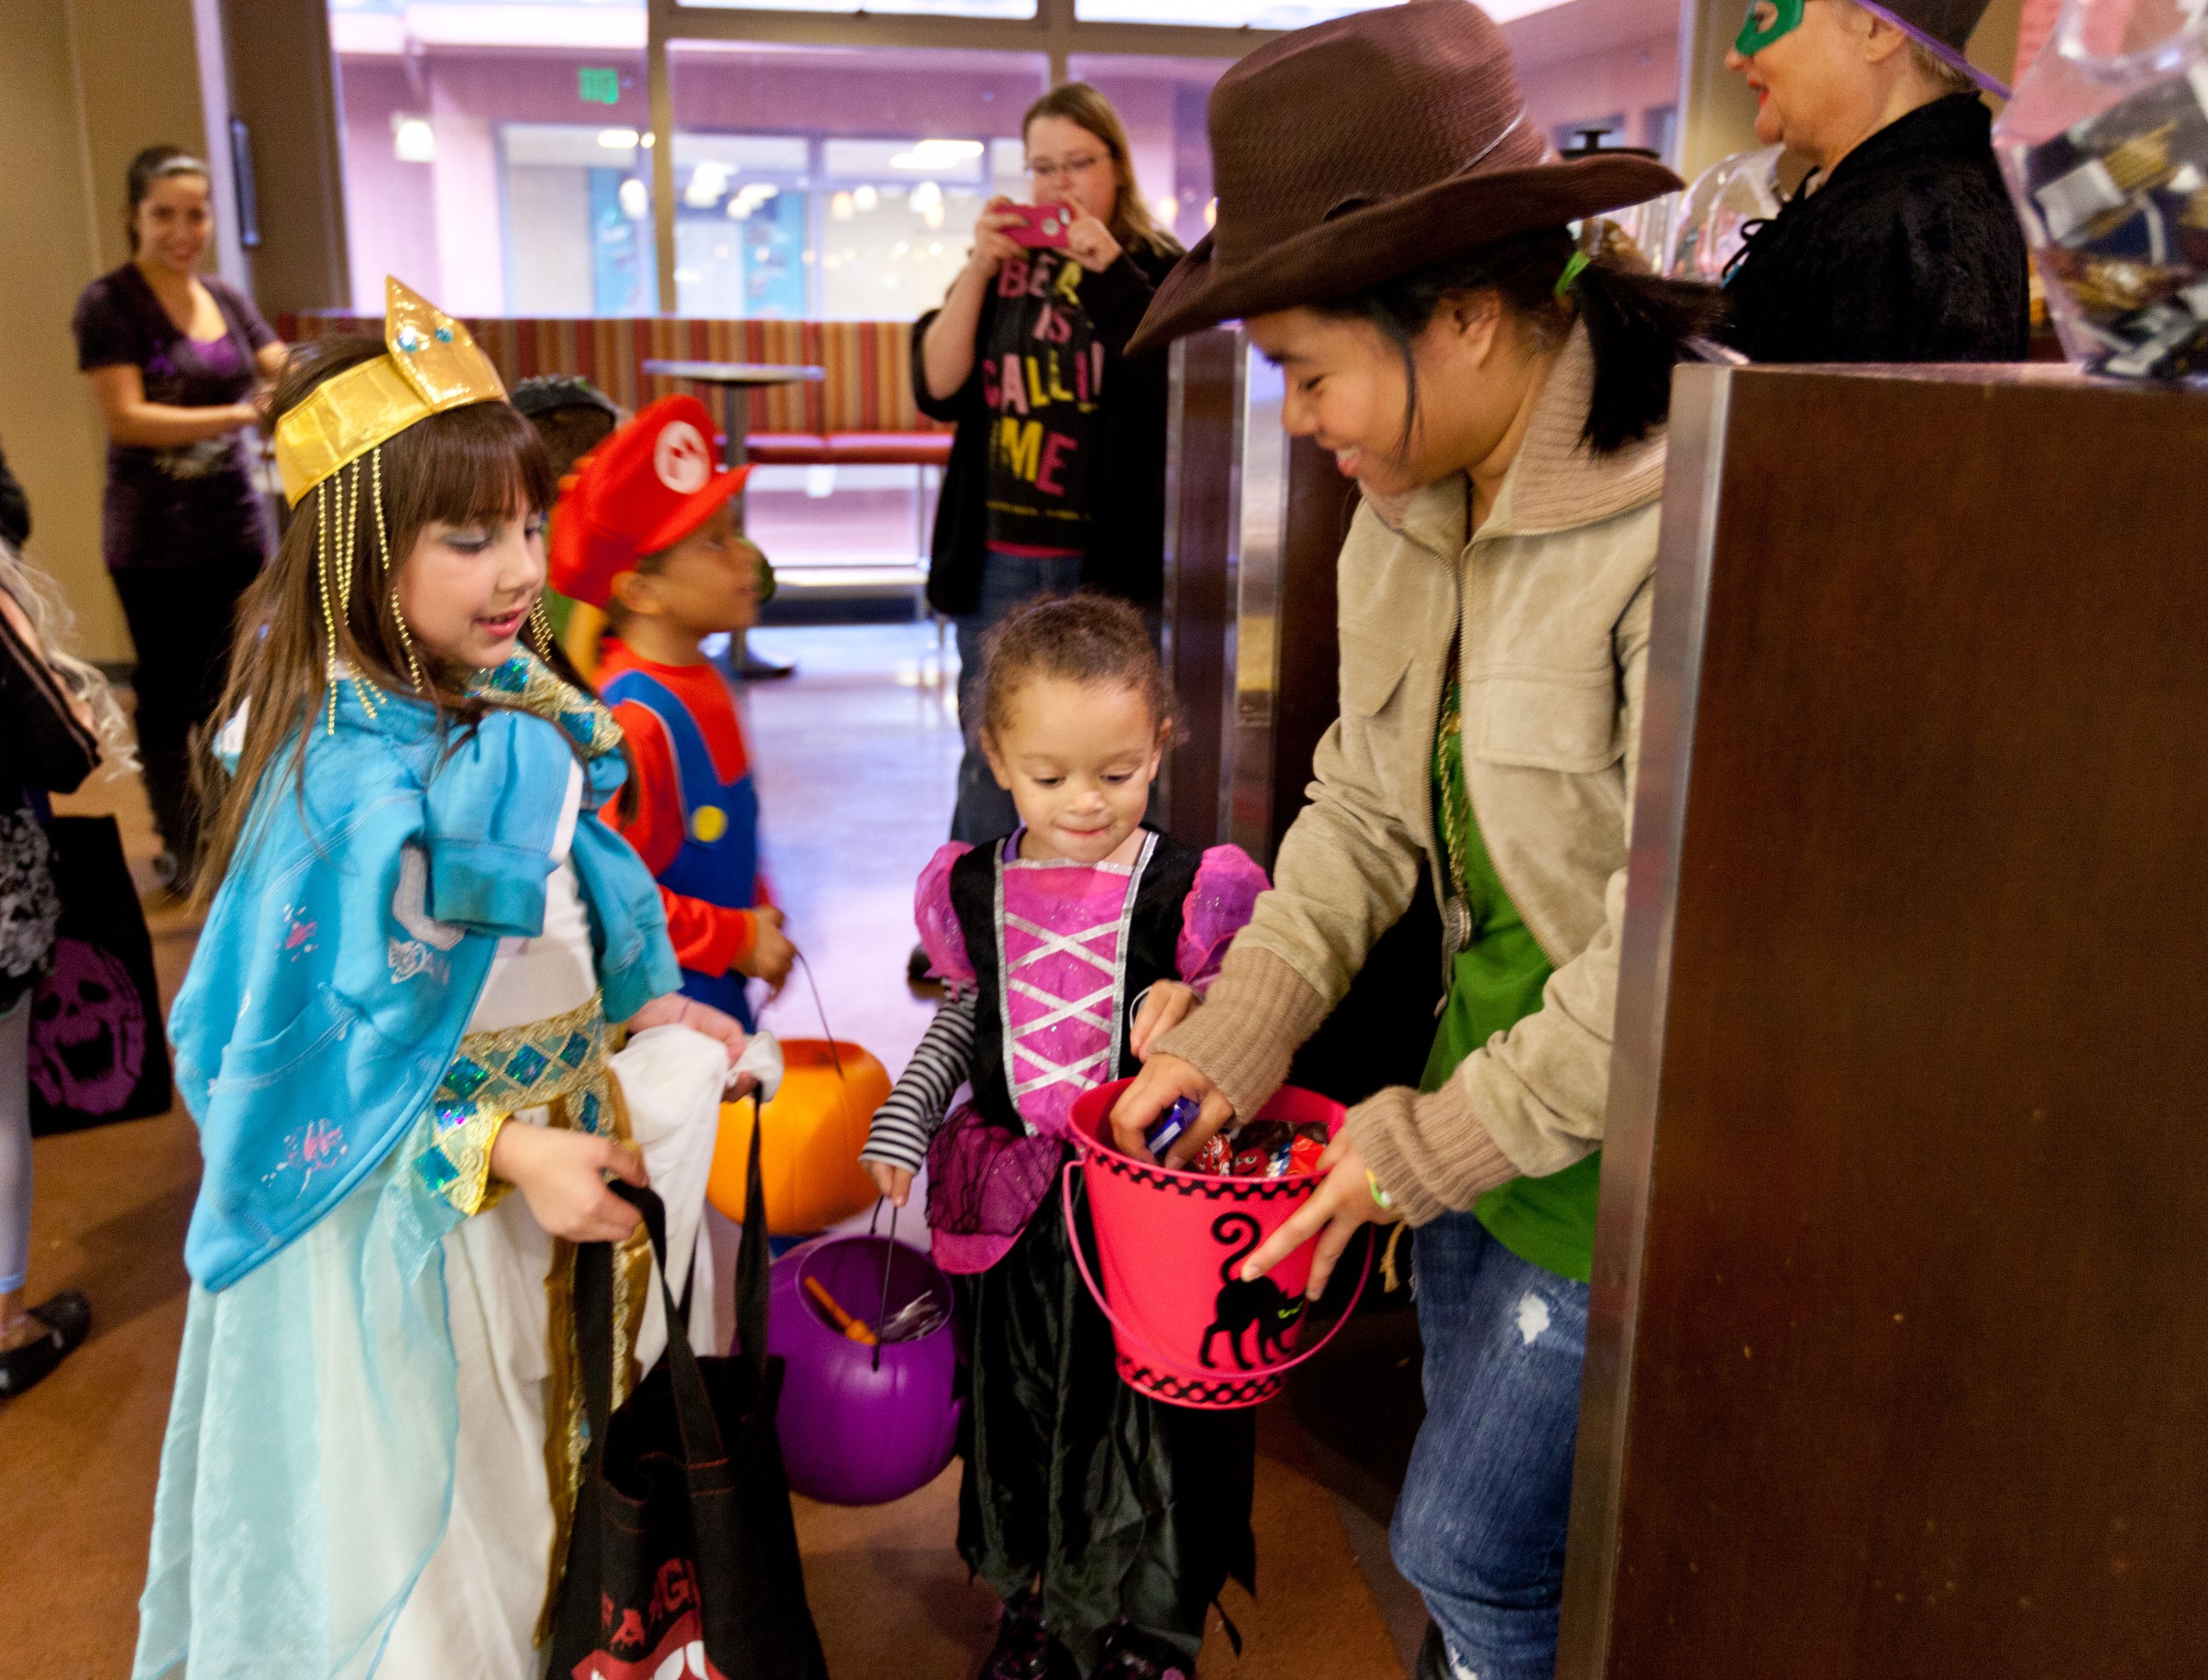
column 347, row 946
column 307, row 1475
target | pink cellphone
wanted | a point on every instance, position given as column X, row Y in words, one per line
column 1040, row 226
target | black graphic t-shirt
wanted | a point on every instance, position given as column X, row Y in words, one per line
column 1043, row 379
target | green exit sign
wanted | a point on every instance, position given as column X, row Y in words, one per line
column 598, row 87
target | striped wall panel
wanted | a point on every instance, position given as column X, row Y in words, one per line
column 868, row 363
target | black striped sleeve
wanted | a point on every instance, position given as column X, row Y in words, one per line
column 910, row 1114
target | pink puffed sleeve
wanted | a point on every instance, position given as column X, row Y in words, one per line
column 1228, row 882
column 940, row 935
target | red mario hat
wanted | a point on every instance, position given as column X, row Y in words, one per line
column 644, row 489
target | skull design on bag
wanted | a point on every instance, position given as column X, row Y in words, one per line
column 88, row 1031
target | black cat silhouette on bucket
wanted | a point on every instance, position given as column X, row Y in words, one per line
column 1241, row 1307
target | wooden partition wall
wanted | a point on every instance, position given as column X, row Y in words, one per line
column 1898, row 1359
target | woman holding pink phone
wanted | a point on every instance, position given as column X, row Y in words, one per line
column 1057, row 478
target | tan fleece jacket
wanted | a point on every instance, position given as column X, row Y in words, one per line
column 1548, row 604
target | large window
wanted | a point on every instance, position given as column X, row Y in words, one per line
column 499, row 154
column 1161, row 102
column 1223, row 13
column 838, row 186
column 496, row 156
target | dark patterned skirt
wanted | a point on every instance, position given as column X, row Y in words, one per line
column 1124, row 1507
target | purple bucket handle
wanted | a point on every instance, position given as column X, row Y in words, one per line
column 1096, row 1294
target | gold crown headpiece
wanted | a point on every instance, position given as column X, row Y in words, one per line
column 332, row 445
column 431, row 365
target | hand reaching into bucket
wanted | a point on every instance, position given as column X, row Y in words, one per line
column 1162, row 1082
column 1348, row 1199
column 1164, row 1007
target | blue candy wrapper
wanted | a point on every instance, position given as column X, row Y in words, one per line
column 1170, row 1124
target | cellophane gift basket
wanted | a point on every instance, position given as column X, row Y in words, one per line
column 2105, row 149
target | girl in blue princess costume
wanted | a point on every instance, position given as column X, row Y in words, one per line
column 398, row 1012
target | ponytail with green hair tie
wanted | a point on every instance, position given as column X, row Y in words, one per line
column 1571, row 272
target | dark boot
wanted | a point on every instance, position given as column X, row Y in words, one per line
column 1130, row 1654
column 176, row 814
column 1433, row 1656
column 1024, row 1648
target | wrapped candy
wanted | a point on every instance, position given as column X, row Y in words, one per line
column 2106, row 150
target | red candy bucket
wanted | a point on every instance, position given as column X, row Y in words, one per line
column 1185, row 1327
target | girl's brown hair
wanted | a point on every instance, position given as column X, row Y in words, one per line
column 1084, row 638
column 465, row 466
column 1085, row 107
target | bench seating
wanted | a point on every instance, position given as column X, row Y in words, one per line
column 847, row 449
column 861, row 413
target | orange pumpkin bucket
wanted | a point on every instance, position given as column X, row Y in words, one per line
column 815, row 1128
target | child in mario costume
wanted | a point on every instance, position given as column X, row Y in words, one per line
column 644, row 531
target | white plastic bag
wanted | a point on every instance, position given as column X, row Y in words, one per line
column 2106, row 150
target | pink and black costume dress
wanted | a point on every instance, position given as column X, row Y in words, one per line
column 1127, row 1509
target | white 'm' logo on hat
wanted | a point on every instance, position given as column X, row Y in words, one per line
column 680, row 458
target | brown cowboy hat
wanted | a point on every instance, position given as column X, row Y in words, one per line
column 1356, row 150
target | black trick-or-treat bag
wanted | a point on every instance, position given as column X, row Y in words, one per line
column 96, row 1048
column 684, row 1559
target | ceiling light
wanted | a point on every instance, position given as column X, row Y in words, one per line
column 412, row 140
column 616, row 140
column 934, row 154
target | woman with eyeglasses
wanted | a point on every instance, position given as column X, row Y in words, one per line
column 1057, row 478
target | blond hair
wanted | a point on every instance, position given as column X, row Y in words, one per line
column 1938, row 71
column 54, row 624
column 1132, row 223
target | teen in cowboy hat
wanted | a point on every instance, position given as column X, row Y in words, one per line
column 1900, row 245
column 1392, row 231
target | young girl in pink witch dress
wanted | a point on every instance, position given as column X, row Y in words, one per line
column 1108, row 1521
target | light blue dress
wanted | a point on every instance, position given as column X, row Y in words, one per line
column 308, row 1472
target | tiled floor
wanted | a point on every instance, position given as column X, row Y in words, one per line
column 855, row 757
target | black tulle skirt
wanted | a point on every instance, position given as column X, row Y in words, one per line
column 1123, row 1507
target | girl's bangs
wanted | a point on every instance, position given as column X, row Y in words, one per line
column 470, row 465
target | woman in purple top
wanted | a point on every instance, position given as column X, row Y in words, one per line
column 176, row 362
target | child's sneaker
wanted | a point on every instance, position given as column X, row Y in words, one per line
column 1129, row 1655
column 1025, row 1649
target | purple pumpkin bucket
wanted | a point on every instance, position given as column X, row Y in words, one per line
column 856, row 1430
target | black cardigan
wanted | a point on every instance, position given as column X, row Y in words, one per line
column 1125, row 554
column 1909, row 252
column 42, row 747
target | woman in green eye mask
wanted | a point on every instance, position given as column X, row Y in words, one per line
column 1900, row 245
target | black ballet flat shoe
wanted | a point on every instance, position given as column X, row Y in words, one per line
column 68, row 1320
column 1024, row 1648
column 1129, row 1655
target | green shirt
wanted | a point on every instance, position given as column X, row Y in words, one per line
column 1493, row 985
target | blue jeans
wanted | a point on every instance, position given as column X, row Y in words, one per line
column 985, row 811
column 1479, row 1526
